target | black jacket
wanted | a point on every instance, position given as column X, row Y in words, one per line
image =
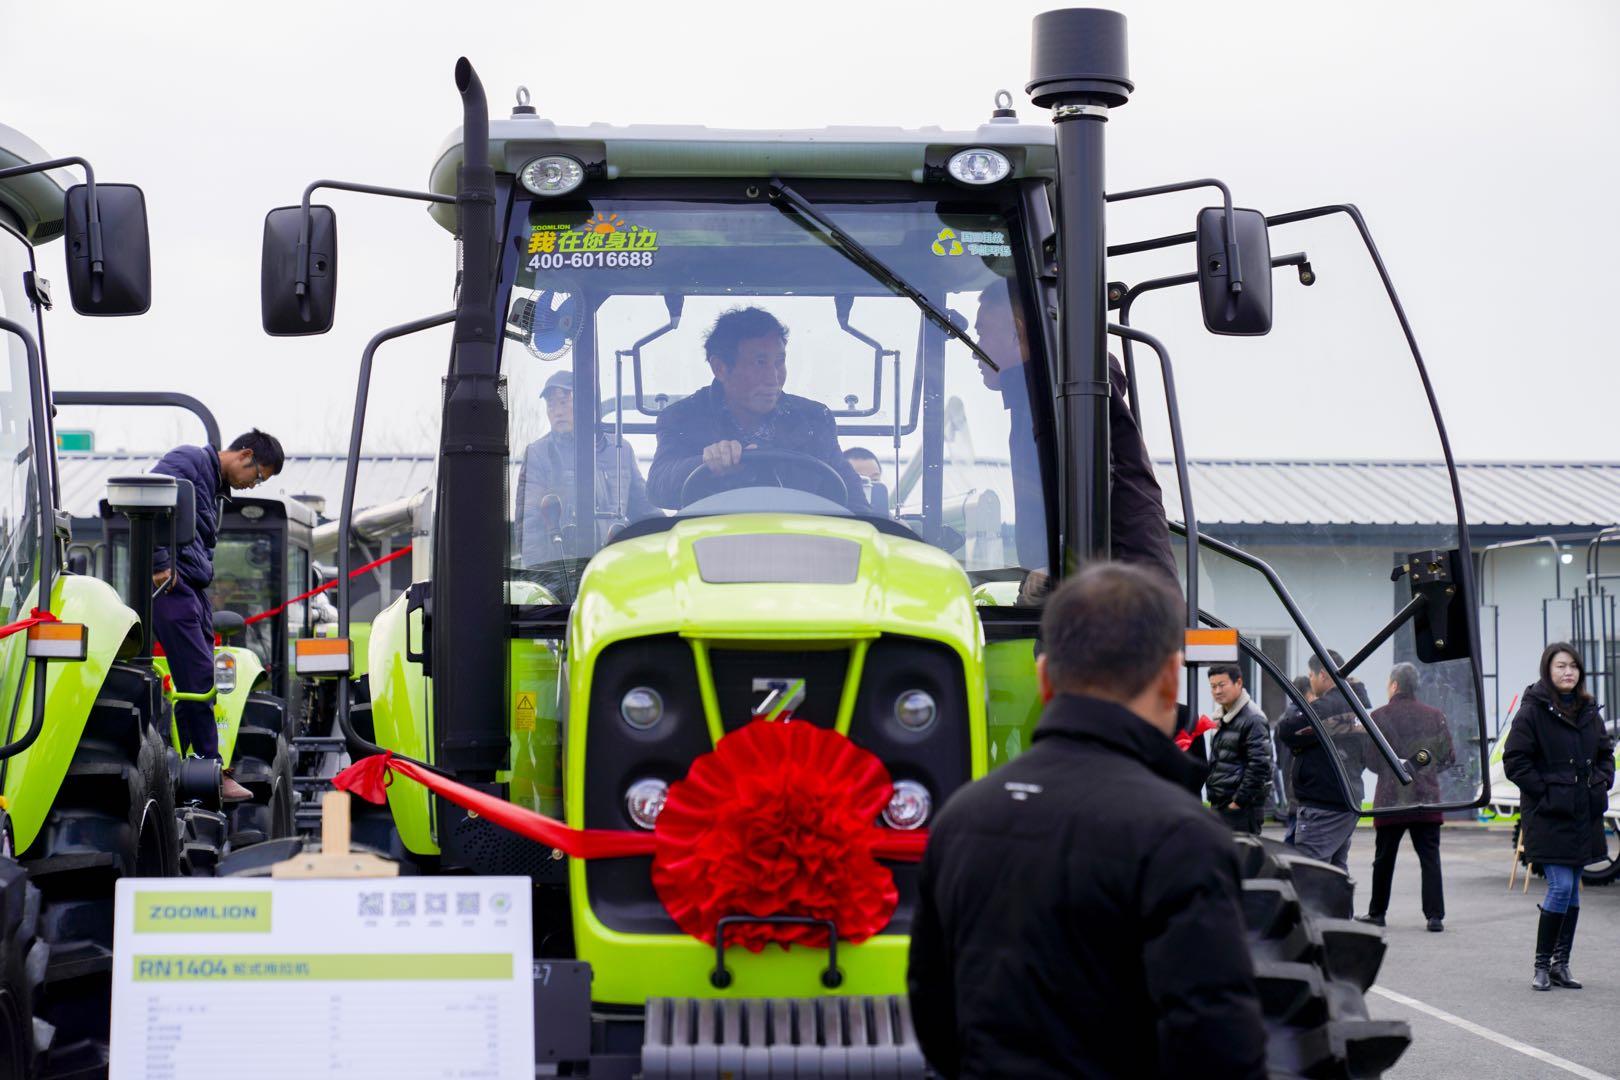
column 1240, row 760
column 1079, row 915
column 1563, row 768
column 701, row 420
column 200, row 465
column 1315, row 781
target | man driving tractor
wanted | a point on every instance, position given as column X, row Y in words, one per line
column 744, row 409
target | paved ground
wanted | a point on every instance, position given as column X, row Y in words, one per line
column 1478, row 970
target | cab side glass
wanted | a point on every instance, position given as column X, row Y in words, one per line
column 1246, row 313
column 285, row 313
column 124, row 285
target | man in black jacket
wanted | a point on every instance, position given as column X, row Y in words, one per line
column 1079, row 909
column 1240, row 753
column 1327, row 823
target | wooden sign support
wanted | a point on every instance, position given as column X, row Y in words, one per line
column 333, row 859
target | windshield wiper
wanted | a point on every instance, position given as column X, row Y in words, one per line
column 858, row 254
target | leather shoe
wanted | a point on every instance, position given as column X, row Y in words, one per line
column 1436, row 926
column 1375, row 920
column 231, row 791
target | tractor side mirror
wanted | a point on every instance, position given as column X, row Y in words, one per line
column 285, row 312
column 1248, row 312
column 185, row 513
column 227, row 623
column 120, row 282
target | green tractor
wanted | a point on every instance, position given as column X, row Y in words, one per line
column 261, row 558
column 605, row 611
column 89, row 783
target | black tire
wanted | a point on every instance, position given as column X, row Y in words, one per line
column 1313, row 965
column 262, row 763
column 23, row 959
column 113, row 817
column 1606, row 870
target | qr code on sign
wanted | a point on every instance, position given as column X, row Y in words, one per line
column 404, row 903
column 467, row 903
column 371, row 903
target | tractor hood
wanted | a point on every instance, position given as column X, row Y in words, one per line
column 773, row 576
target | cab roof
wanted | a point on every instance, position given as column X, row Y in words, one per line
column 38, row 199
column 661, row 151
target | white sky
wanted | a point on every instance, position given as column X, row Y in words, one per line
column 1479, row 139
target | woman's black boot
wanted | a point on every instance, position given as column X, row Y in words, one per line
column 1546, row 940
column 1558, row 970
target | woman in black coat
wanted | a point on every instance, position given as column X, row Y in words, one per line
column 1560, row 755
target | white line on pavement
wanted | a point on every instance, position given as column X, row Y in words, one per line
column 1494, row 1036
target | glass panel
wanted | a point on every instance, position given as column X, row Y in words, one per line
column 879, row 413
column 244, row 582
column 1314, row 448
column 19, row 514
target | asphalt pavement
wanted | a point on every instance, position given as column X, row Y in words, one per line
column 1476, row 974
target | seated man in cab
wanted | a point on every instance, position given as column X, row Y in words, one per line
column 745, row 409
column 549, row 525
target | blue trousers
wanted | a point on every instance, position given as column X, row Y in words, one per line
column 1563, row 888
column 184, row 624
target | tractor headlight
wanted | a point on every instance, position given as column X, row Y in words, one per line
column 915, row 709
column 642, row 707
column 909, row 805
column 978, row 166
column 555, row 174
column 645, row 801
column 224, row 673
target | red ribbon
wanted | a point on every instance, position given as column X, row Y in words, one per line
column 356, row 572
column 35, row 617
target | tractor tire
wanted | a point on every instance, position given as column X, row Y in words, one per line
column 23, row 959
column 1313, row 965
column 113, row 817
column 1604, row 871
column 262, row 763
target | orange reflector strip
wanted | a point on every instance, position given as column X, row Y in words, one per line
column 323, row 646
column 1213, row 637
column 1211, row 646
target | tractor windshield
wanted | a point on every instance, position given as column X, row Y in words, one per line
column 724, row 357
column 19, row 494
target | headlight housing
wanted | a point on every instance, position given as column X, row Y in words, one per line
column 978, row 166
column 224, row 673
column 644, row 801
column 915, row 710
column 554, row 174
column 908, row 807
column 641, row 707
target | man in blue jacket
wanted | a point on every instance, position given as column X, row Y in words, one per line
column 182, row 617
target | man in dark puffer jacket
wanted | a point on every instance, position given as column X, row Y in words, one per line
column 1240, row 753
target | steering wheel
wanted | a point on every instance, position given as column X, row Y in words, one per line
column 822, row 478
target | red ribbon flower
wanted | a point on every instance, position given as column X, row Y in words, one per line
column 779, row 820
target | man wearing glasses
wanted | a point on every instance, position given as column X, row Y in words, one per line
column 183, row 619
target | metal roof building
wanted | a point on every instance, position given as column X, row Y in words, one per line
column 1503, row 499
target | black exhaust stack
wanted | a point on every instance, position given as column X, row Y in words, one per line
column 1078, row 70
column 468, row 637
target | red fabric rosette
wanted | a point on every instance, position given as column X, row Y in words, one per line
column 779, row 820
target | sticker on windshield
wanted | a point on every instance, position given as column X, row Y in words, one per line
column 950, row 242
column 604, row 241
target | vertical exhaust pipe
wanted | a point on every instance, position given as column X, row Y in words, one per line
column 1078, row 70
column 468, row 637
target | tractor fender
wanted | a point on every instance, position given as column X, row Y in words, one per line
column 33, row 777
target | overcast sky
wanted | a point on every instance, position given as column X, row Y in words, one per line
column 1478, row 138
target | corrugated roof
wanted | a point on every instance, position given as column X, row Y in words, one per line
column 1254, row 493
column 1502, row 494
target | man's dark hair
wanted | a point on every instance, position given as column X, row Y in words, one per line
column 736, row 326
column 266, row 449
column 1302, row 683
column 1316, row 665
column 860, row 453
column 1405, row 678
column 1231, row 671
column 1110, row 630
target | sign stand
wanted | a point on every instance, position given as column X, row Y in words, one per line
column 334, row 859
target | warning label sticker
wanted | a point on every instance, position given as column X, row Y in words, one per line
column 523, row 711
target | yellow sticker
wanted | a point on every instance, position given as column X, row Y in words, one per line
column 523, row 711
